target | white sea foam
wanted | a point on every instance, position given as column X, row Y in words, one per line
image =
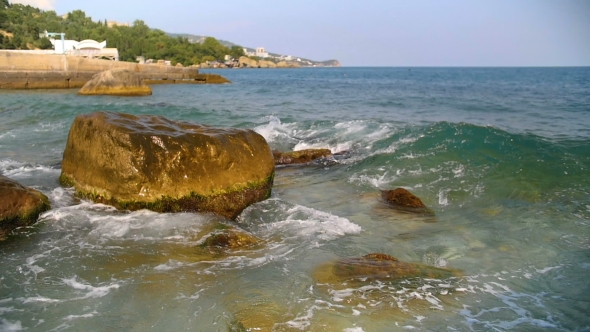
column 6, row 325
column 354, row 329
column 275, row 131
column 310, row 223
column 49, row 127
column 72, row 317
column 39, row 299
column 93, row 292
column 375, row 180
column 19, row 170
column 443, row 197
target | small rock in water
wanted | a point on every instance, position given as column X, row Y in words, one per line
column 402, row 199
column 230, row 239
column 378, row 266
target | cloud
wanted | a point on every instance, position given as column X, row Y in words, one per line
column 41, row 4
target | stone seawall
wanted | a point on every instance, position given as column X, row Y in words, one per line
column 19, row 70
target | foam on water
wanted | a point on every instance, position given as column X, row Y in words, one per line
column 296, row 223
column 6, row 325
column 92, row 291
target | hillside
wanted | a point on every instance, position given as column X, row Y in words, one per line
column 304, row 61
column 21, row 28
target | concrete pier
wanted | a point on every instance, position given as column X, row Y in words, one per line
column 20, row 70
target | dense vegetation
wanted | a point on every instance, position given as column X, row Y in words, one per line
column 20, row 26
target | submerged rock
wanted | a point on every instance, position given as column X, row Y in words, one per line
column 402, row 199
column 230, row 239
column 19, row 205
column 118, row 82
column 299, row 157
column 379, row 266
column 150, row 162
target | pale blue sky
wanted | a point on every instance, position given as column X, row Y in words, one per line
column 375, row 33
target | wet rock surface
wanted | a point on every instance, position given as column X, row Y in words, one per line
column 19, row 205
column 228, row 238
column 150, row 162
column 299, row 157
column 378, row 266
column 403, row 200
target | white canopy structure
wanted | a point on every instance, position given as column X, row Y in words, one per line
column 87, row 48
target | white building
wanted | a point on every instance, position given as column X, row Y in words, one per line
column 87, row 48
column 261, row 52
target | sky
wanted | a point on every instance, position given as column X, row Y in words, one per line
column 373, row 32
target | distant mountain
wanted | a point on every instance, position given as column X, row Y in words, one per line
column 305, row 62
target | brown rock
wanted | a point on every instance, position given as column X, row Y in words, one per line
column 382, row 267
column 19, row 205
column 118, row 82
column 401, row 197
column 135, row 162
column 299, row 157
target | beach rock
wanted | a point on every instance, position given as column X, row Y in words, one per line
column 380, row 267
column 118, row 82
column 401, row 197
column 19, row 205
column 149, row 162
column 244, row 61
column 266, row 64
column 230, row 239
column 299, row 157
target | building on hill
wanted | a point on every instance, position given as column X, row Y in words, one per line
column 111, row 24
column 261, row 52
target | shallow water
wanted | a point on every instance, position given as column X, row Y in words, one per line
column 500, row 155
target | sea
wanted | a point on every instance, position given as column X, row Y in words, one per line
column 500, row 155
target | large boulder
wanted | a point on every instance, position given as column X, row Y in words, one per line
column 299, row 157
column 19, row 205
column 118, row 82
column 135, row 162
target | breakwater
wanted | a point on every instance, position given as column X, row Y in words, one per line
column 19, row 70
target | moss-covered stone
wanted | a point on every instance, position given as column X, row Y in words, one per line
column 19, row 206
column 150, row 162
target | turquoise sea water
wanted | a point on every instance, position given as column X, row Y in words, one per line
column 502, row 156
